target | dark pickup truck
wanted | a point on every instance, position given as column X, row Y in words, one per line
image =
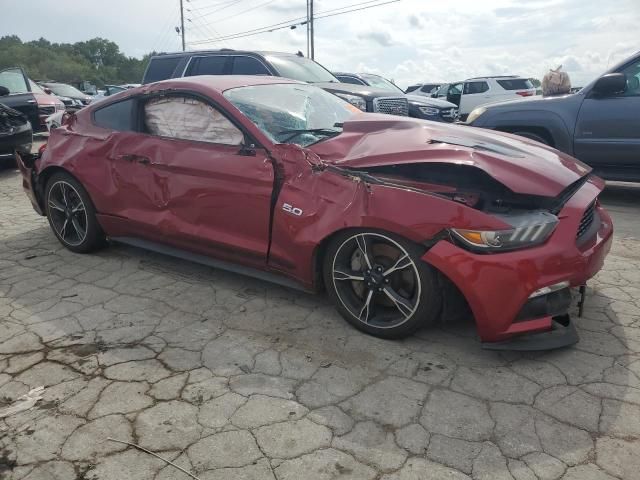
column 599, row 125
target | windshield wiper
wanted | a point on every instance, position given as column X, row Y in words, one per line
column 322, row 131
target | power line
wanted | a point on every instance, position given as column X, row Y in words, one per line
column 283, row 25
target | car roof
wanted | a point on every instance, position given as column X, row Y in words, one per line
column 220, row 83
column 226, row 51
column 496, row 76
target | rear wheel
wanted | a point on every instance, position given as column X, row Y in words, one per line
column 379, row 284
column 72, row 215
column 533, row 136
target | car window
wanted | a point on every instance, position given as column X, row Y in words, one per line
column 13, row 79
column 64, row 90
column 292, row 112
column 632, row 72
column 248, row 66
column 161, row 68
column 412, row 88
column 351, row 80
column 516, row 84
column 211, row 65
column 455, row 89
column 116, row 116
column 187, row 118
column 381, row 83
column 475, row 87
column 300, row 68
column 428, row 88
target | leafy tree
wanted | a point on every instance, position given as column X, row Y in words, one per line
column 97, row 60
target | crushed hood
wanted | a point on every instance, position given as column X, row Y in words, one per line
column 523, row 166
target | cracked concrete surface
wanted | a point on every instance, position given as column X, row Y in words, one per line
column 234, row 378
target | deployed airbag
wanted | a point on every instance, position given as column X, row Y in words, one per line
column 189, row 119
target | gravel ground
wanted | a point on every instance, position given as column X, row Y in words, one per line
column 234, row 378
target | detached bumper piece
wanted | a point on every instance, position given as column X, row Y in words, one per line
column 562, row 334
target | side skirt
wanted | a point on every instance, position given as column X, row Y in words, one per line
column 211, row 262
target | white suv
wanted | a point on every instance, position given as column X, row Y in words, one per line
column 474, row 92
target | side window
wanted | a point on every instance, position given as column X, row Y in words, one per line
column 475, row 87
column 351, row 80
column 427, row 88
column 212, row 65
column 187, row 118
column 632, row 72
column 117, row 116
column 160, row 68
column 412, row 88
column 248, row 66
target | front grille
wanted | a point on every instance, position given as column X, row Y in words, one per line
column 391, row 105
column 47, row 110
column 586, row 220
column 449, row 114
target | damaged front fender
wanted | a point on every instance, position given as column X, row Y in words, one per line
column 316, row 200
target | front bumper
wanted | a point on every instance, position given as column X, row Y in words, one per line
column 497, row 286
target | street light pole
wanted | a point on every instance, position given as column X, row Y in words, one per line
column 182, row 24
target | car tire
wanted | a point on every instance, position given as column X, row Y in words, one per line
column 379, row 283
column 71, row 214
column 533, row 136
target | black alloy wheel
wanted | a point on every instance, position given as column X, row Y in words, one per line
column 380, row 285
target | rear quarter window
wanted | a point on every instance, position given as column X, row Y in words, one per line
column 160, row 68
column 116, row 116
column 516, row 84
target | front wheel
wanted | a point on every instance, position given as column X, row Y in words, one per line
column 379, row 284
column 72, row 215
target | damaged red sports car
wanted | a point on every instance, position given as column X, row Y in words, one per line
column 395, row 217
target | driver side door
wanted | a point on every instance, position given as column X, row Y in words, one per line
column 210, row 195
column 20, row 96
column 607, row 134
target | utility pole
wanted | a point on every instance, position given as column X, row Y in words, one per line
column 182, row 24
column 311, row 28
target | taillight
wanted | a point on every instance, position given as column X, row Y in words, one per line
column 526, row 93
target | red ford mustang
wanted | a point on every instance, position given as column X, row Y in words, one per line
column 398, row 219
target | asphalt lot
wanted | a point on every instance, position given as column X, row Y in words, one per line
column 234, row 378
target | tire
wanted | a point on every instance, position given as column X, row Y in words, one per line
column 395, row 297
column 533, row 136
column 71, row 214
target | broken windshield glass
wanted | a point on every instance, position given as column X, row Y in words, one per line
column 280, row 110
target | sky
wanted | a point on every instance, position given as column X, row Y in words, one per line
column 408, row 40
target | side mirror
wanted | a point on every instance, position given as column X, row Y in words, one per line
column 4, row 91
column 47, row 91
column 610, row 84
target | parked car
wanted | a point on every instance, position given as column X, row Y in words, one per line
column 475, row 92
column 424, row 89
column 600, row 124
column 15, row 130
column 293, row 66
column 107, row 92
column 283, row 180
column 28, row 98
column 72, row 98
column 419, row 106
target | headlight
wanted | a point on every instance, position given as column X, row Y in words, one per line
column 77, row 102
column 354, row 100
column 475, row 114
column 430, row 111
column 528, row 229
